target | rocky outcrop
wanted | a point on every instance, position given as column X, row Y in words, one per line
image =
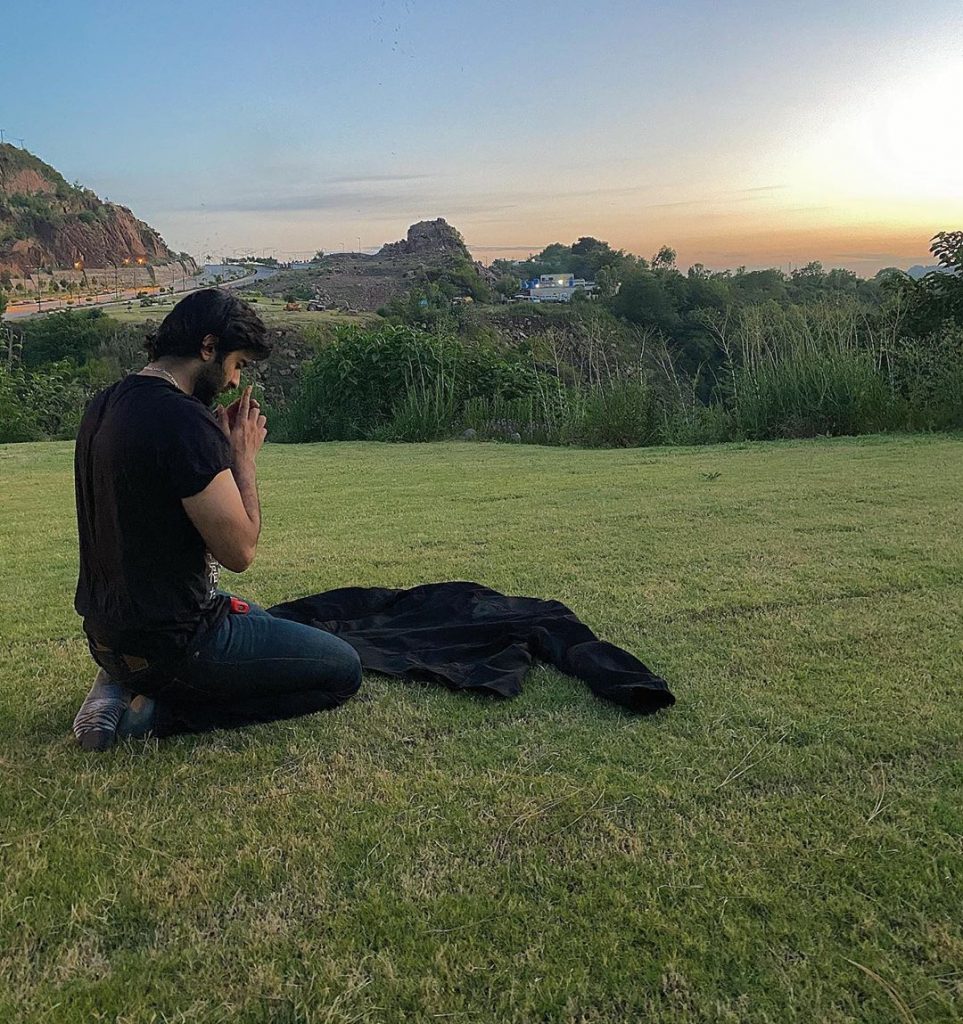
column 44, row 221
column 429, row 238
column 432, row 253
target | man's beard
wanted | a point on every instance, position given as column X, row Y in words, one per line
column 210, row 382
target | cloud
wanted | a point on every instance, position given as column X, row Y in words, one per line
column 316, row 201
column 469, row 203
column 506, row 248
column 340, row 199
column 876, row 257
column 358, row 179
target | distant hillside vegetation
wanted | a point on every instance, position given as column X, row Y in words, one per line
column 45, row 221
column 433, row 253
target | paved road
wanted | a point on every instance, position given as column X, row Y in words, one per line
column 106, row 299
column 260, row 274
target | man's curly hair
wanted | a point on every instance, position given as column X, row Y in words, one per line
column 215, row 311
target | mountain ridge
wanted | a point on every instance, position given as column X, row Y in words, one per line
column 47, row 222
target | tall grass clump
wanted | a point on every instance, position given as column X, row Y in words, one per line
column 927, row 375
column 802, row 371
column 614, row 414
column 583, row 393
column 426, row 412
column 395, row 383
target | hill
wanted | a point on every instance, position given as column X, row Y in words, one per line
column 432, row 251
column 918, row 270
column 45, row 221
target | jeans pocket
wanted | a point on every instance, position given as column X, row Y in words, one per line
column 215, row 644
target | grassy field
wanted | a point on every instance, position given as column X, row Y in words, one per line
column 783, row 845
column 271, row 310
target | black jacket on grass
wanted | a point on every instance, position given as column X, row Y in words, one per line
column 469, row 637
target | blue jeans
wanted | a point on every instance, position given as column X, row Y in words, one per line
column 252, row 668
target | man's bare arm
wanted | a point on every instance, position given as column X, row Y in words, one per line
column 227, row 512
column 245, row 477
column 220, row 514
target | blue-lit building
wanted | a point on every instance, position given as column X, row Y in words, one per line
column 553, row 288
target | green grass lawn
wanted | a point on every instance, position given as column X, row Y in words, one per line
column 783, row 845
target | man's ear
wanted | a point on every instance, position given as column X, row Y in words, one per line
column 209, row 347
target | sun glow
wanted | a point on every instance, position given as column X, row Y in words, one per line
column 900, row 144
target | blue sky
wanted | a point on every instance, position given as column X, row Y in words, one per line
column 741, row 132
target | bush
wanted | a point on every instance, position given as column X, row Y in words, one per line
column 426, row 412
column 619, row 413
column 42, row 405
column 18, row 421
column 370, row 383
column 802, row 372
column 64, row 335
column 803, row 394
column 927, row 375
column 696, row 424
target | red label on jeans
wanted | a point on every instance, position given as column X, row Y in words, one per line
column 239, row 607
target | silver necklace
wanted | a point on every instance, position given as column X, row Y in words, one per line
column 169, row 376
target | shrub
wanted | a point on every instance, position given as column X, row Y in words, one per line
column 40, row 405
column 367, row 383
column 928, row 376
column 426, row 412
column 621, row 413
column 64, row 335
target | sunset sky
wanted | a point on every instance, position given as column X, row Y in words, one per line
column 747, row 132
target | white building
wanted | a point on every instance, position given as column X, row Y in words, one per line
column 554, row 288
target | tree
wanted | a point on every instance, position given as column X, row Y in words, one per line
column 928, row 304
column 65, row 335
column 507, row 285
column 947, row 247
column 755, row 286
column 842, row 281
column 808, row 282
column 643, row 299
column 945, row 287
column 606, row 282
column 555, row 258
column 664, row 259
column 587, row 244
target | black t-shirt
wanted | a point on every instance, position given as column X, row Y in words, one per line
column 147, row 586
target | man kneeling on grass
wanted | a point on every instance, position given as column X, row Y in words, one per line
column 165, row 491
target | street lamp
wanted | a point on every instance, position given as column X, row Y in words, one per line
column 116, row 288
column 79, row 265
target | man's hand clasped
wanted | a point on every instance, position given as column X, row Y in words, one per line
column 244, row 425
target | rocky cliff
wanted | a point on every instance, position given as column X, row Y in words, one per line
column 432, row 238
column 45, row 221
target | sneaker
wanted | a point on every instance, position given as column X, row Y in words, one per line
column 96, row 723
